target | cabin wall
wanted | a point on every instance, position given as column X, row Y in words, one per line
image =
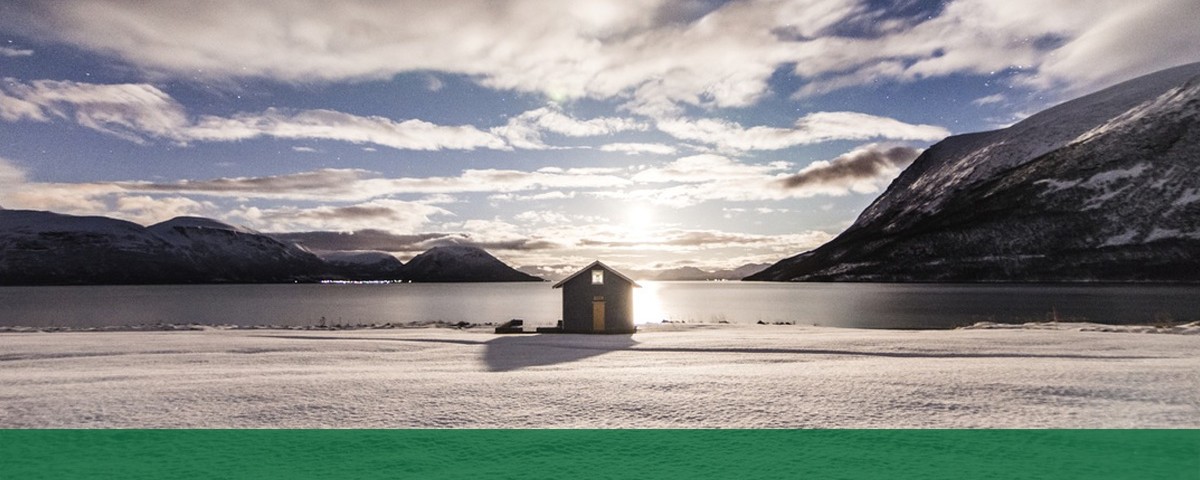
column 578, row 295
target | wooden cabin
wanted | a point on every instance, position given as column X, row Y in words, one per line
column 597, row 299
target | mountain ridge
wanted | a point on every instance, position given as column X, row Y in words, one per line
column 1103, row 188
column 47, row 248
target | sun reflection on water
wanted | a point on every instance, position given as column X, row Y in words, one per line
column 647, row 307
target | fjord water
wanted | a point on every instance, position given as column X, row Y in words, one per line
column 827, row 304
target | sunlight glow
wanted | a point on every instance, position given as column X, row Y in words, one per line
column 639, row 218
column 647, row 308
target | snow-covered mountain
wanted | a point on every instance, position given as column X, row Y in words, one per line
column 1102, row 188
column 44, row 248
column 461, row 264
column 50, row 248
column 362, row 264
column 693, row 273
column 225, row 253
column 40, row 248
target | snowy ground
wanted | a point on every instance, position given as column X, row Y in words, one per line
column 664, row 376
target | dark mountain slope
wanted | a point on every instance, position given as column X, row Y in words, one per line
column 1102, row 188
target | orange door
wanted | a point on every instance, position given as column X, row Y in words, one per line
column 598, row 315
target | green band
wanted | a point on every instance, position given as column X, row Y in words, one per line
column 576, row 454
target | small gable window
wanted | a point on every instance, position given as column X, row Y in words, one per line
column 597, row 277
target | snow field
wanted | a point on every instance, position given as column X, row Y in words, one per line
column 664, row 376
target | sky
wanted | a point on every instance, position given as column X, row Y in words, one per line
column 644, row 133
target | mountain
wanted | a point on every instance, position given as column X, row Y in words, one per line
column 1102, row 188
column 40, row 248
column 45, row 248
column 225, row 253
column 693, row 273
column 746, row 270
column 362, row 265
column 461, row 264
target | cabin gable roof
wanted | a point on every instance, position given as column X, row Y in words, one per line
column 592, row 266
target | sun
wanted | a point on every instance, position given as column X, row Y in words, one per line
column 639, row 218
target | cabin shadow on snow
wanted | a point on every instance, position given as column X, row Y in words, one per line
column 514, row 352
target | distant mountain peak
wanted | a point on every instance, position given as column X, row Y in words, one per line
column 199, row 222
column 461, row 263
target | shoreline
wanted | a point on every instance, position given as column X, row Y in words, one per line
column 1190, row 328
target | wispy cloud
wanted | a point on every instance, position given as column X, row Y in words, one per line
column 656, row 55
column 386, row 214
column 18, row 192
column 703, row 178
column 139, row 112
column 685, row 181
column 525, row 130
column 812, row 128
column 535, row 197
column 705, row 168
column 409, row 134
column 357, row 213
column 11, row 176
column 990, row 99
column 15, row 52
column 335, row 184
column 129, row 111
column 639, row 148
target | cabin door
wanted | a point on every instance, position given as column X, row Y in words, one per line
column 598, row 315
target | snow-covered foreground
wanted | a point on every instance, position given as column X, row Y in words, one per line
column 663, row 376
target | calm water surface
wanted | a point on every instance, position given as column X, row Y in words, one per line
column 828, row 304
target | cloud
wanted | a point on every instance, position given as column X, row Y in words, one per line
column 79, row 199
column 332, row 125
column 707, row 177
column 17, row 192
column 138, row 112
column 11, row 176
column 14, row 109
column 525, row 130
column 339, row 184
column 433, row 83
column 1126, row 40
column 15, row 52
column 367, row 239
column 639, row 148
column 813, row 128
column 677, row 239
column 861, row 170
column 1081, row 45
column 148, row 210
column 654, row 55
column 344, row 220
column 683, row 182
column 385, row 214
column 371, row 239
column 990, row 99
column 330, row 184
column 651, row 50
column 129, row 111
column 705, row 168
column 551, row 195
